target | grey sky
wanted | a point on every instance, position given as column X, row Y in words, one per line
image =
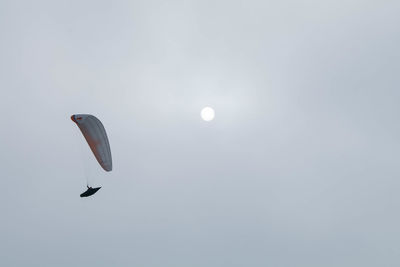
column 299, row 168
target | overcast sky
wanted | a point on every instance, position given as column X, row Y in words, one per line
column 299, row 168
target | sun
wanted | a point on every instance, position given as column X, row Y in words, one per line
column 207, row 114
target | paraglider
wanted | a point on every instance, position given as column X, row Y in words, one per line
column 90, row 191
column 96, row 137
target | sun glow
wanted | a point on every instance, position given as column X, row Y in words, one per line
column 207, row 114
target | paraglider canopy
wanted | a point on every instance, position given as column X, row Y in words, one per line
column 96, row 137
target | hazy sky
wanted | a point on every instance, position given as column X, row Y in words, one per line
column 299, row 168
